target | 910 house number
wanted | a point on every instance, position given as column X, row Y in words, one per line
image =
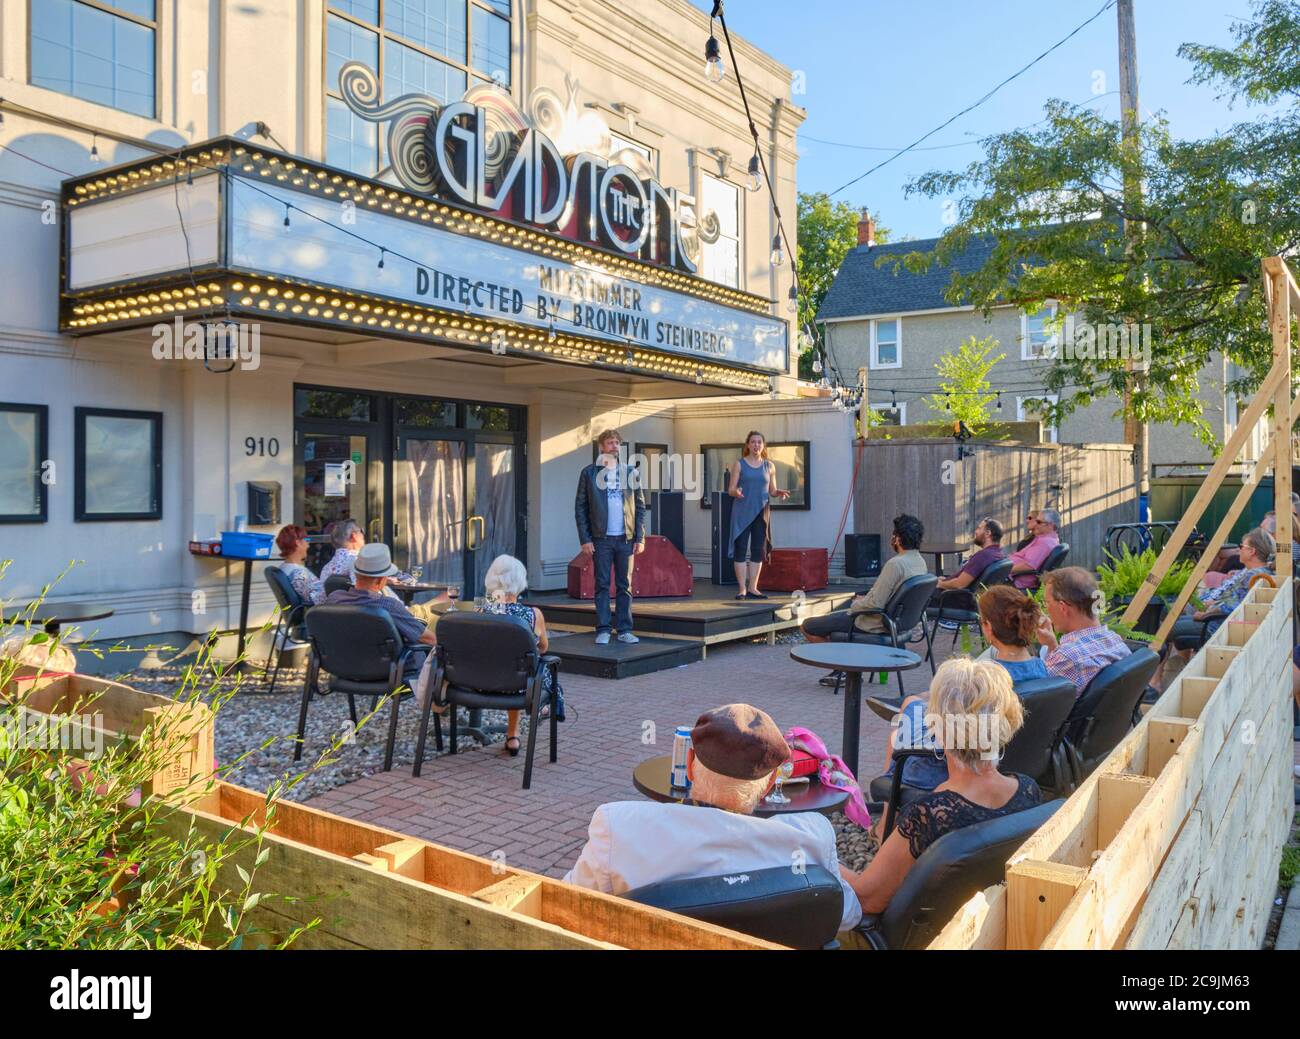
column 266, row 447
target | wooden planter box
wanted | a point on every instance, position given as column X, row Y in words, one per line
column 795, row 569
column 1173, row 841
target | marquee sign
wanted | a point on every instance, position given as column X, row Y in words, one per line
column 552, row 168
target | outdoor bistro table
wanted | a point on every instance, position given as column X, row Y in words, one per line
column 853, row 658
column 651, row 779
column 52, row 616
column 939, row 549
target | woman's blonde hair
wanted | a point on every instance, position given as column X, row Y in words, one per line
column 1262, row 542
column 974, row 710
column 506, row 576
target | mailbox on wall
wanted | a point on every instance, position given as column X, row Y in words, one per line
column 263, row 502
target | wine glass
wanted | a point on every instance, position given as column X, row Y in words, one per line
column 784, row 772
column 416, row 573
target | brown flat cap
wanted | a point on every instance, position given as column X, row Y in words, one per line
column 738, row 741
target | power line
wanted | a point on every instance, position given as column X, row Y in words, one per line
column 969, row 108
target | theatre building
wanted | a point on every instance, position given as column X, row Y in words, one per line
column 389, row 260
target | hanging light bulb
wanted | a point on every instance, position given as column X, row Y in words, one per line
column 381, row 258
column 999, row 400
column 714, row 71
column 755, row 173
column 699, row 377
column 94, row 149
column 286, row 214
column 550, row 332
column 792, row 303
column 817, row 366
column 778, row 252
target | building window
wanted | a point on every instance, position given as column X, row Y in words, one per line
column 720, row 259
column 620, row 143
column 118, row 465
column 97, row 50
column 1030, row 409
column 887, row 343
column 434, row 47
column 892, row 414
column 23, row 450
column 1039, row 338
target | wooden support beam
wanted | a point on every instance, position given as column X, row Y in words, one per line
column 1277, row 376
column 1218, row 659
column 1167, row 735
column 518, row 894
column 404, row 857
column 1284, row 286
column 1037, row 894
column 1196, row 692
column 1117, row 796
column 980, row 924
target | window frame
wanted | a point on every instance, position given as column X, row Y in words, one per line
column 739, row 239
column 155, row 26
column 652, row 153
column 80, row 515
column 900, row 407
column 875, row 344
column 1052, row 347
column 473, row 78
column 1055, row 398
column 42, row 413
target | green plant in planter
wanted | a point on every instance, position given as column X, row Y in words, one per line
column 85, row 863
column 1125, row 573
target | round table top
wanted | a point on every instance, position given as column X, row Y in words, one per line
column 854, row 656
column 60, row 613
column 651, row 779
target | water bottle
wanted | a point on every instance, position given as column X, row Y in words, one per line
column 677, row 777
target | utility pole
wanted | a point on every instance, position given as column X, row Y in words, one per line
column 1136, row 433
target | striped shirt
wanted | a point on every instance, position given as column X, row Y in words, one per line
column 1081, row 654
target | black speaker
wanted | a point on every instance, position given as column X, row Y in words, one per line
column 721, row 571
column 862, row 555
column 667, row 517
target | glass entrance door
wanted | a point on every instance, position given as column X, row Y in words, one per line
column 429, row 508
column 495, row 517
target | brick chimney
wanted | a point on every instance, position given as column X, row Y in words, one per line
column 866, row 229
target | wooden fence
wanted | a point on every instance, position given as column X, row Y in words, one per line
column 1173, row 842
column 1091, row 485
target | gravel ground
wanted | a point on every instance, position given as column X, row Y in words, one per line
column 255, row 732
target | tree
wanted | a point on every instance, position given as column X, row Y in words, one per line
column 827, row 231
column 1053, row 201
column 964, row 382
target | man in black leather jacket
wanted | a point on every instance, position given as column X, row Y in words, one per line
column 611, row 536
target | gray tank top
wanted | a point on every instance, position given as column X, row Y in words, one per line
column 753, row 485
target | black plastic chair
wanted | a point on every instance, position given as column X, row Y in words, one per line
column 947, row 875
column 960, row 606
column 361, row 650
column 288, row 620
column 1104, row 711
column 336, row 583
column 902, row 615
column 492, row 662
column 1036, row 749
column 801, row 909
column 1055, row 560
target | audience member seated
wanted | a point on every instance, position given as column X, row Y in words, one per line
column 505, row 581
column 1257, row 550
column 735, row 751
column 1269, row 524
column 1031, row 525
column 970, row 701
column 1085, row 645
column 372, row 567
column 906, row 562
column 292, row 543
column 1034, row 554
column 1009, row 621
column 347, row 539
column 988, row 544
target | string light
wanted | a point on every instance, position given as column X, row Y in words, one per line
column 778, row 251
column 793, row 304
column 714, row 71
column 94, row 148
column 286, row 214
column 755, row 173
column 381, row 258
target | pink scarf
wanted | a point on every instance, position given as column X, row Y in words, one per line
column 832, row 772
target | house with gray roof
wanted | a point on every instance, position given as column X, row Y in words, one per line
column 897, row 324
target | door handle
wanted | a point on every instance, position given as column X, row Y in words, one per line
column 373, row 531
column 472, row 544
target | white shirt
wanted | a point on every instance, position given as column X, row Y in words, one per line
column 615, row 526
column 634, row 843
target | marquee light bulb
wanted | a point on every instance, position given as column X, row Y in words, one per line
column 714, row 71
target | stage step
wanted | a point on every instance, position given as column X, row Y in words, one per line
column 579, row 655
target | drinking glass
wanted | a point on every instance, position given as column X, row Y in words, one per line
column 784, row 772
column 416, row 573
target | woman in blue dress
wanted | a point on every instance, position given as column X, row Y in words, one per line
column 1009, row 620
column 752, row 482
column 505, row 581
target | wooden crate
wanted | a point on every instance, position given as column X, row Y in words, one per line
column 1173, row 841
column 377, row 889
column 795, row 569
column 660, row 571
column 85, row 706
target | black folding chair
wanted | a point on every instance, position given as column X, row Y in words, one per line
column 801, row 908
column 288, row 620
column 492, row 662
column 902, row 615
column 360, row 649
column 1055, row 560
column 960, row 606
column 1104, row 711
column 336, row 583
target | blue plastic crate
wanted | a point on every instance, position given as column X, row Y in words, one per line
column 246, row 545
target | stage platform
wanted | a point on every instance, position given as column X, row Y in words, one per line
column 676, row 631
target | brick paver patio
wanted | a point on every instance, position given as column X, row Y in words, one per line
column 473, row 800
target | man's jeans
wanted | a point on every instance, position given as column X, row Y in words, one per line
column 616, row 553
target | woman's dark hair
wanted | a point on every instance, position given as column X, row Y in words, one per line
column 289, row 537
column 1012, row 616
column 909, row 531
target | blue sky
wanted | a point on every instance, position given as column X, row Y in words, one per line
column 880, row 73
